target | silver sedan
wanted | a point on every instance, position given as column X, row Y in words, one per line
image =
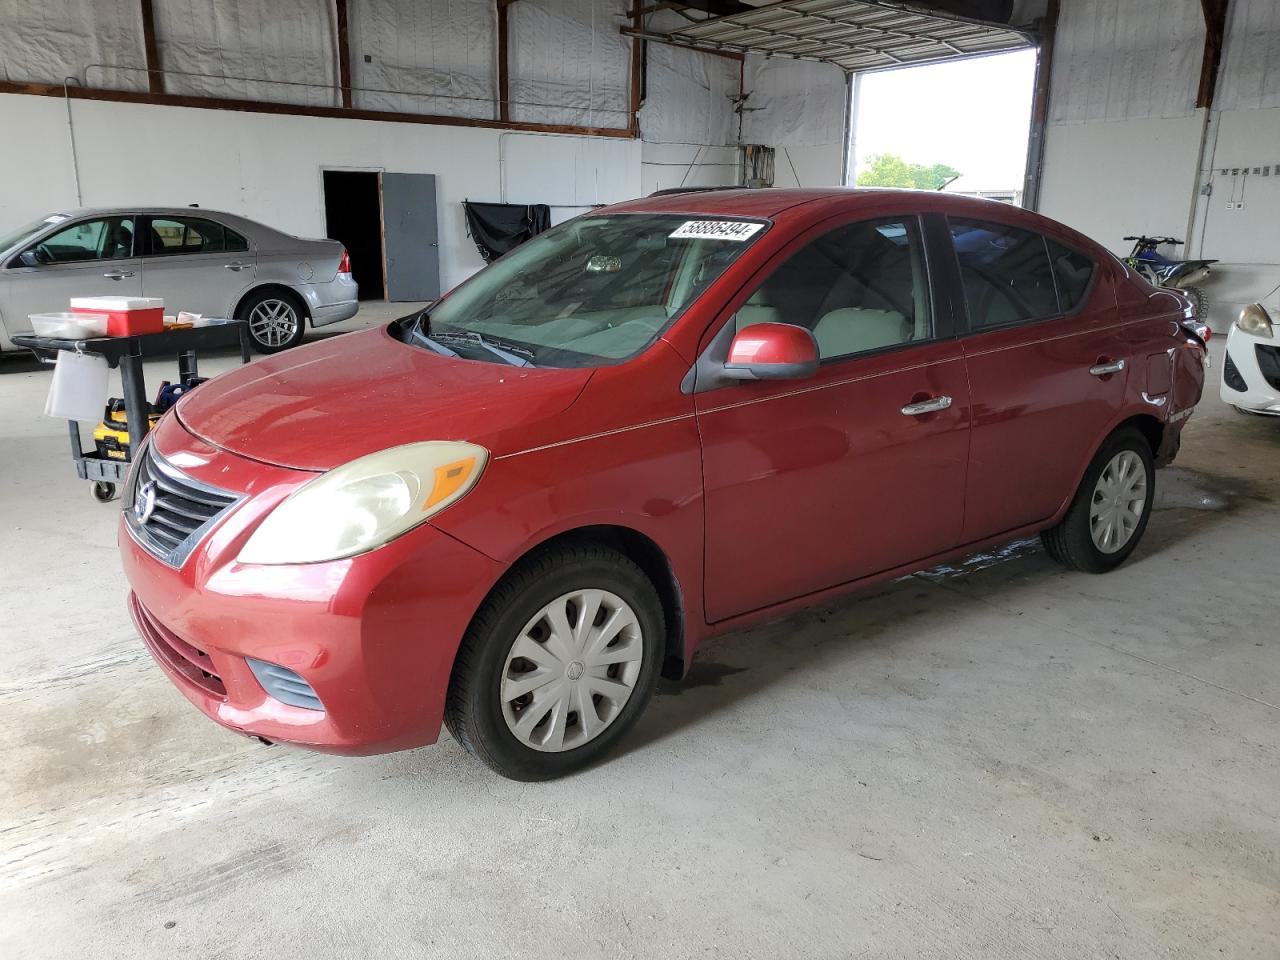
column 201, row 261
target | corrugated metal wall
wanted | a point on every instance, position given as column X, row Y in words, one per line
column 569, row 63
column 279, row 50
column 439, row 57
column 51, row 40
column 1118, row 60
column 1251, row 72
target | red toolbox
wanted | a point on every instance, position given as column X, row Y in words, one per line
column 126, row 316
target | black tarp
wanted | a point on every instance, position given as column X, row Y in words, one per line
column 499, row 227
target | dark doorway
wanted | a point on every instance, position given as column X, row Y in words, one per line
column 353, row 217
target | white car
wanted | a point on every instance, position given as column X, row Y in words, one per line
column 203, row 261
column 1251, row 373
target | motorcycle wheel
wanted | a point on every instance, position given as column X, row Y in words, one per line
column 1199, row 301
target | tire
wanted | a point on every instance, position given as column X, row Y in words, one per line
column 103, row 491
column 276, row 319
column 489, row 667
column 1072, row 542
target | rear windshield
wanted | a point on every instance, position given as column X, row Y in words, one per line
column 593, row 291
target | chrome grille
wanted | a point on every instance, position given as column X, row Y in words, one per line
column 168, row 512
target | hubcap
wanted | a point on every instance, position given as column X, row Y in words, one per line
column 571, row 670
column 273, row 322
column 1119, row 497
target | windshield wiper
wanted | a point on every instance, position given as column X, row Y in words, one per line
column 516, row 356
column 419, row 331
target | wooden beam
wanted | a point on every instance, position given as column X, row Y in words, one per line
column 504, row 80
column 1215, row 29
column 1040, row 107
column 637, row 66
column 344, row 54
column 298, row 110
column 151, row 50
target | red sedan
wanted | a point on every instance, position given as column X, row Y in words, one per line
column 664, row 420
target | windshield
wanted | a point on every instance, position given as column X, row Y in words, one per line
column 595, row 290
column 7, row 240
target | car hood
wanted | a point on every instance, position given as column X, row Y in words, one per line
column 319, row 406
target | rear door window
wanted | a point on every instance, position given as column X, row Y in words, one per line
column 172, row 236
column 1006, row 273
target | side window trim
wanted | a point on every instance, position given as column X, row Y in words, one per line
column 969, row 328
column 1087, row 295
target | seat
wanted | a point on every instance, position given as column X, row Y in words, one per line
column 119, row 243
column 753, row 313
column 856, row 330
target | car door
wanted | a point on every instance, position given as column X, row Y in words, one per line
column 813, row 483
column 1045, row 357
column 91, row 257
column 195, row 264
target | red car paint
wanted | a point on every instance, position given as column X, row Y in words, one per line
column 761, row 496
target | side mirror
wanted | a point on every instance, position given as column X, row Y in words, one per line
column 772, row 351
column 30, row 258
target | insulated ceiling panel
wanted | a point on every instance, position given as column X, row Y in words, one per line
column 853, row 34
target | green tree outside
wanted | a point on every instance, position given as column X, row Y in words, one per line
column 890, row 170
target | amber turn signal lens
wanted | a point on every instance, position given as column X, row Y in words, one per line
column 448, row 480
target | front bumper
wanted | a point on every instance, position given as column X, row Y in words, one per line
column 374, row 636
column 1251, row 373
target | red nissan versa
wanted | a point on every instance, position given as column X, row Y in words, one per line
column 651, row 424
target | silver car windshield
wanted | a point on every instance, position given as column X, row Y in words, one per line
column 595, row 290
column 15, row 237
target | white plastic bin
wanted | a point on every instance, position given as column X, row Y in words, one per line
column 69, row 326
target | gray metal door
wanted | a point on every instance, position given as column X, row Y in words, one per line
column 411, row 244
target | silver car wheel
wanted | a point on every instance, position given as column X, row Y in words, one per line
column 273, row 322
column 571, row 670
column 1119, row 497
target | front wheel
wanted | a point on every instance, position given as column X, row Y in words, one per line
column 275, row 318
column 558, row 663
column 1111, row 508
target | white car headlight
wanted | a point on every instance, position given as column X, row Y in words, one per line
column 1255, row 321
column 363, row 504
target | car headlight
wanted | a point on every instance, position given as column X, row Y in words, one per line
column 363, row 504
column 1255, row 321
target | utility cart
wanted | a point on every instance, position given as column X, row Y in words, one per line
column 127, row 353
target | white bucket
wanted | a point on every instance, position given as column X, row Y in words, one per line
column 79, row 388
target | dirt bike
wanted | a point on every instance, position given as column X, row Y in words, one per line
column 1184, row 276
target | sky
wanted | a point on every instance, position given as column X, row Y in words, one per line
column 972, row 114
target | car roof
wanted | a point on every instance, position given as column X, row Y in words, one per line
column 772, row 202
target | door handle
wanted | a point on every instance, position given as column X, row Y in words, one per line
column 236, row 265
column 118, row 274
column 1105, row 369
column 932, row 405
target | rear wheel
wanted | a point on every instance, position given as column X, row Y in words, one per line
column 1109, row 513
column 1199, row 302
column 558, row 663
column 275, row 318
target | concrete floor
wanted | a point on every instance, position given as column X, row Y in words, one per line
column 996, row 760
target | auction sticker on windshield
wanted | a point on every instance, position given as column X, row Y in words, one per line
column 715, row 230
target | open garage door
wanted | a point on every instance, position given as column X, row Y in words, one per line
column 855, row 35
